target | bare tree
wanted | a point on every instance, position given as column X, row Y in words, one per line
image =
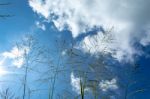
column 31, row 55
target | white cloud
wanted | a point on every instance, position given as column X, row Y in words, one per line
column 129, row 18
column 75, row 82
column 18, row 62
column 107, row 44
column 106, row 85
column 96, row 43
column 64, row 52
column 16, row 55
column 2, row 60
column 39, row 6
column 40, row 25
column 146, row 38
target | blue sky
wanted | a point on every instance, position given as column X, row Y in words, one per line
column 21, row 22
column 109, row 40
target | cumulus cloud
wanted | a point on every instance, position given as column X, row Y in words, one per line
column 16, row 56
column 130, row 19
column 106, row 85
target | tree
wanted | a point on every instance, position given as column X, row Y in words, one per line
column 31, row 56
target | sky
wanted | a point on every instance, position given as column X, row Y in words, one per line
column 100, row 42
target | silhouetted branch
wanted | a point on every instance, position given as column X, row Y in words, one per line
column 4, row 4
